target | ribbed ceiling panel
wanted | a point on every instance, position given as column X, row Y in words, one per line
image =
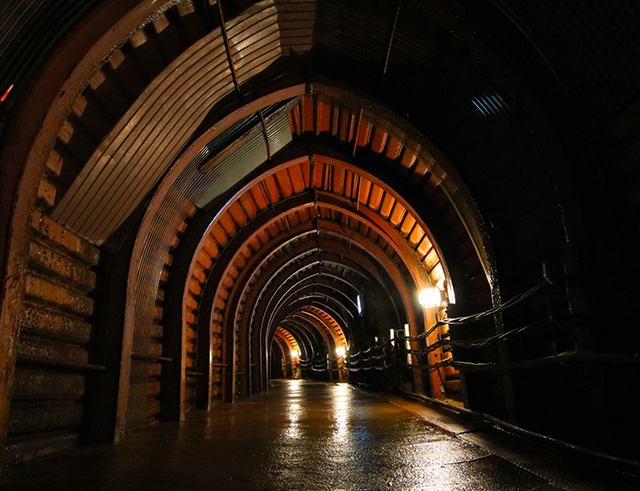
column 212, row 173
column 149, row 137
column 138, row 151
column 591, row 48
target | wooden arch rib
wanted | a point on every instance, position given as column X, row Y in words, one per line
column 342, row 187
column 222, row 295
column 302, row 314
column 285, row 248
column 250, row 323
column 312, row 274
column 288, row 339
column 345, row 253
column 305, row 315
column 262, row 293
column 309, row 338
column 354, row 187
column 155, row 246
column 282, row 347
column 338, row 332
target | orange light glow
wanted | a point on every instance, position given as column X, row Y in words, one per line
column 6, row 93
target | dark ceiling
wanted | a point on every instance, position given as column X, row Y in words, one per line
column 589, row 50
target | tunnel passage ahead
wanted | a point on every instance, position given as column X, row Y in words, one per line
column 299, row 435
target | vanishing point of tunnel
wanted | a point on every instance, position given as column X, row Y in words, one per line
column 319, row 244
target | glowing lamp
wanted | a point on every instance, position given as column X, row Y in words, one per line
column 340, row 351
column 294, row 354
column 430, row 297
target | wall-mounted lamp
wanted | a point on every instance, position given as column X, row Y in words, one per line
column 294, row 354
column 341, row 351
column 430, row 297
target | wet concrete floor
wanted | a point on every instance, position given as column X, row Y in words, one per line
column 306, row 435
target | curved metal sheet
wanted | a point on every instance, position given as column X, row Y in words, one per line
column 133, row 157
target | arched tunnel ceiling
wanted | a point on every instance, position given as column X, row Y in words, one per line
column 182, row 92
column 149, row 135
column 586, row 32
column 287, row 201
column 124, row 140
column 280, row 204
column 288, row 339
column 272, row 216
column 106, row 182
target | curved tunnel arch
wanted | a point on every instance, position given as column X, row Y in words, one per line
column 143, row 276
column 143, row 280
column 294, row 347
column 348, row 303
column 437, row 272
column 333, row 117
column 276, row 212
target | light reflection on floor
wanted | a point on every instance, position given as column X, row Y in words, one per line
column 299, row 435
column 341, row 406
column 332, row 431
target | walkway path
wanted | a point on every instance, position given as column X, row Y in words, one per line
column 302, row 435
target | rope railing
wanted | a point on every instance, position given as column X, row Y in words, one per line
column 486, row 342
column 369, row 348
column 319, row 364
column 481, row 315
column 562, row 358
column 500, row 308
column 371, row 362
column 358, row 361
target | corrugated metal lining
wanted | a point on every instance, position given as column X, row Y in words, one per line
column 250, row 154
column 175, row 210
column 145, row 141
column 200, row 188
column 593, row 48
column 489, row 105
column 150, row 136
column 296, row 19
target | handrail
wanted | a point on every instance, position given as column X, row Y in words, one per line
column 151, row 358
column 62, row 364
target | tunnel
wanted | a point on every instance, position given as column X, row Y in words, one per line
column 222, row 211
